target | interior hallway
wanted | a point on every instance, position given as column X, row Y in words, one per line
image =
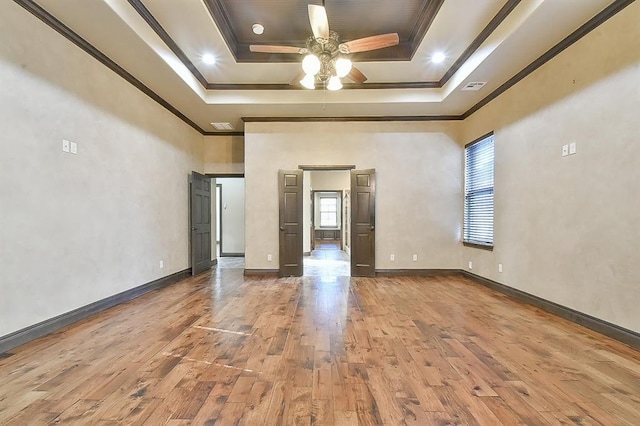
column 327, row 260
column 229, row 349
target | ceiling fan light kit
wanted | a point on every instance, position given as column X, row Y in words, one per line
column 308, row 82
column 343, row 67
column 311, row 64
column 326, row 59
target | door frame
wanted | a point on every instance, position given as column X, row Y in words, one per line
column 218, row 201
column 341, row 167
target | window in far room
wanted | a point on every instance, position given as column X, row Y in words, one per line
column 478, row 192
column 328, row 212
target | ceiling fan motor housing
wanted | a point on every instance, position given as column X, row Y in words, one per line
column 327, row 50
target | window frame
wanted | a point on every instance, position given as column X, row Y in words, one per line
column 470, row 193
column 335, row 198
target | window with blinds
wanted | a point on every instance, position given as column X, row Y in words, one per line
column 478, row 192
column 328, row 212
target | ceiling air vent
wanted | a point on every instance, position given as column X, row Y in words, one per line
column 222, row 126
column 474, row 85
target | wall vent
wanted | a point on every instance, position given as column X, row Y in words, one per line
column 474, row 85
column 222, row 126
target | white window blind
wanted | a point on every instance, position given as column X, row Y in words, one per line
column 478, row 192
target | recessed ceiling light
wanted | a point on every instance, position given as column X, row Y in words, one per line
column 257, row 29
column 437, row 57
column 208, row 59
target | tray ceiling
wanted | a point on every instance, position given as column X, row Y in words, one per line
column 160, row 45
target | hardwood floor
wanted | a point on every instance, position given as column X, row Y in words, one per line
column 225, row 349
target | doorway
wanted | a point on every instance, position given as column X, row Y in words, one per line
column 227, row 233
column 328, row 227
column 297, row 233
column 230, row 216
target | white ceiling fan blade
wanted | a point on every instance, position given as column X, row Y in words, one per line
column 319, row 21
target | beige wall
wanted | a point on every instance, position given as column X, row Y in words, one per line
column 337, row 180
column 566, row 228
column 224, row 154
column 75, row 229
column 418, row 205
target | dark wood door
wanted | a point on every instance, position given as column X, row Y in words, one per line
column 291, row 229
column 200, row 223
column 363, row 223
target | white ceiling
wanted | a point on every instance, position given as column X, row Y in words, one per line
column 116, row 29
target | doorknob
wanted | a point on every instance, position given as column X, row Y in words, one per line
column 194, row 228
column 282, row 228
column 373, row 227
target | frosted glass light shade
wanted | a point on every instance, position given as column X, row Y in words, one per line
column 343, row 67
column 308, row 81
column 334, row 83
column 311, row 64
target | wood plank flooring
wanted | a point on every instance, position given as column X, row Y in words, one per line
column 226, row 349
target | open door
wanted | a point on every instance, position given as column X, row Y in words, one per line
column 291, row 222
column 363, row 215
column 200, row 223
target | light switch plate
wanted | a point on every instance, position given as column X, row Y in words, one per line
column 470, row 265
column 415, row 257
column 565, row 150
column 65, row 145
column 74, row 148
column 572, row 148
column 392, row 257
column 499, row 267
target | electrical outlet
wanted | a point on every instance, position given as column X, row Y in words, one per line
column 415, row 257
column 565, row 150
column 499, row 267
column 269, row 257
column 572, row 148
column 74, row 148
column 161, row 264
column 65, row 145
column 392, row 258
column 470, row 265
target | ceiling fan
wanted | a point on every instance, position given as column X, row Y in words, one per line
column 327, row 59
